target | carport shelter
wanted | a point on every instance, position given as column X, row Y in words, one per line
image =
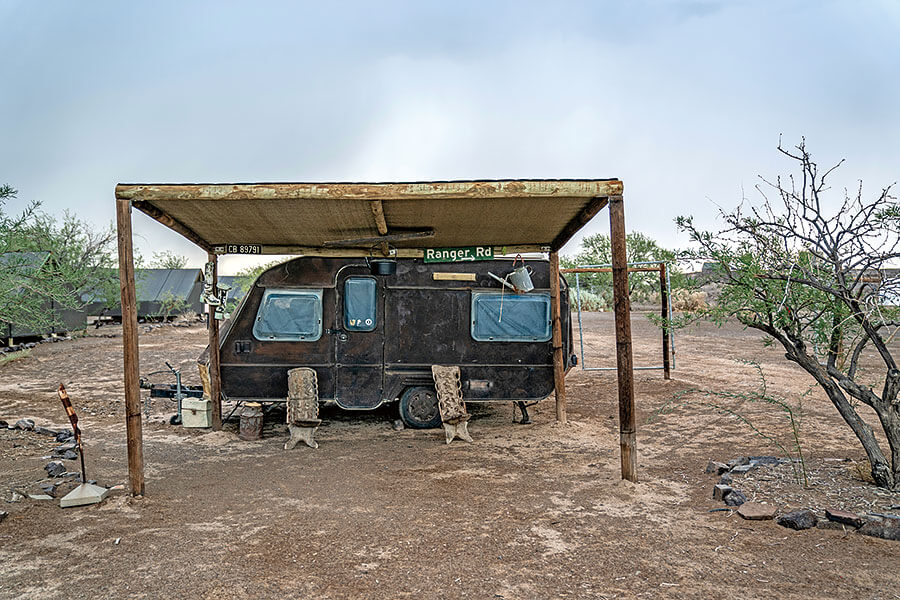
column 377, row 219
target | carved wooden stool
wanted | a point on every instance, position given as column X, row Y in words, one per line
column 450, row 403
column 302, row 407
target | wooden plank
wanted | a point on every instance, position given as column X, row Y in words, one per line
column 664, row 312
column 559, row 367
column 393, row 237
column 171, row 223
column 454, row 276
column 572, row 227
column 215, row 369
column 624, row 358
column 134, row 435
column 450, row 190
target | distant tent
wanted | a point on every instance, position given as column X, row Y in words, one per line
column 160, row 293
column 66, row 319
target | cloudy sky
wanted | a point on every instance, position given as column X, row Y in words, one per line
column 684, row 100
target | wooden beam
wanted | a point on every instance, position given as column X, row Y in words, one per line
column 451, row 190
column 378, row 213
column 381, row 224
column 664, row 312
column 559, row 367
column 624, row 358
column 215, row 369
column 167, row 220
column 393, row 237
column 133, row 433
column 580, row 220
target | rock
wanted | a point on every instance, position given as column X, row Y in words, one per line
column 735, row 498
column 44, row 430
column 716, row 468
column 40, row 497
column 741, row 460
column 3, row 424
column 3, row 515
column 798, row 519
column 64, row 448
column 726, row 479
column 825, row 524
column 55, row 468
column 742, row 469
column 64, row 435
column 765, row 460
column 844, row 518
column 720, row 491
column 754, row 511
column 49, row 489
column 398, row 425
column 69, row 455
column 884, row 528
column 16, row 497
column 25, row 424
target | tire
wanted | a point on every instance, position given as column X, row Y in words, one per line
column 419, row 408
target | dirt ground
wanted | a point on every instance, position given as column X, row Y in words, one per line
column 533, row 511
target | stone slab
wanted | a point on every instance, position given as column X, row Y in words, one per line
column 754, row 511
column 844, row 517
column 742, row 469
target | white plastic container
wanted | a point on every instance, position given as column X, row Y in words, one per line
column 196, row 412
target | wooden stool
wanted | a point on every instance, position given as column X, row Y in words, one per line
column 302, row 407
column 450, row 402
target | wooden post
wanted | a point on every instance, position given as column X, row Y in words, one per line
column 559, row 367
column 133, row 432
column 215, row 372
column 664, row 312
column 624, row 359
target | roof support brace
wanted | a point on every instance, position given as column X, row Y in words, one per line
column 130, row 342
column 559, row 366
column 215, row 373
column 624, row 358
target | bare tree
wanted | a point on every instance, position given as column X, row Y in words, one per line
column 821, row 285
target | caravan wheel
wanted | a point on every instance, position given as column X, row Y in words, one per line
column 419, row 408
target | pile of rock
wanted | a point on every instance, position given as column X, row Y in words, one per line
column 873, row 524
column 30, row 345
column 735, row 467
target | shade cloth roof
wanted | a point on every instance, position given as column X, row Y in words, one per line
column 285, row 218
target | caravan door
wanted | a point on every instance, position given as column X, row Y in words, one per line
column 359, row 342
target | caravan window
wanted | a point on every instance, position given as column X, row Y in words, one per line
column 289, row 316
column 522, row 319
column 359, row 304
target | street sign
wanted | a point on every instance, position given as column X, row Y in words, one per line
column 449, row 255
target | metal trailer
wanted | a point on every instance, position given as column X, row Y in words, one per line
column 373, row 338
